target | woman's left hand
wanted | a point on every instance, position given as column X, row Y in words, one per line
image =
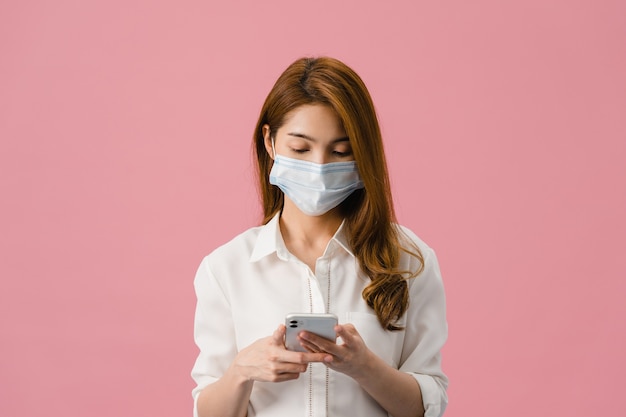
column 395, row 391
column 352, row 357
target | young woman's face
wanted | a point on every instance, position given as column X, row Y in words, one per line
column 312, row 133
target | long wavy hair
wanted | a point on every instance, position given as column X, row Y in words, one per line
column 370, row 220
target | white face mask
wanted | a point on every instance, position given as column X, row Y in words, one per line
column 315, row 188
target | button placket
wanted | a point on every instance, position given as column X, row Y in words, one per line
column 320, row 296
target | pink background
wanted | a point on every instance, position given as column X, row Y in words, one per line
column 125, row 157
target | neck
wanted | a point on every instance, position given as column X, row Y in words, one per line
column 312, row 230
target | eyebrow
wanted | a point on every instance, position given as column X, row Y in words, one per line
column 307, row 137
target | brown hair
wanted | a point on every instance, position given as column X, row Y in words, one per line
column 369, row 216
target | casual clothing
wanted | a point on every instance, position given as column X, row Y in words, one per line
column 247, row 287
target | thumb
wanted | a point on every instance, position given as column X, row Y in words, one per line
column 344, row 333
column 279, row 335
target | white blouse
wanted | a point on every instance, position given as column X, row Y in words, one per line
column 247, row 287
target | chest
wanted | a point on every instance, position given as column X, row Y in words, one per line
column 262, row 294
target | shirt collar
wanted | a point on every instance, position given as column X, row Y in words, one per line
column 341, row 237
column 270, row 240
column 267, row 240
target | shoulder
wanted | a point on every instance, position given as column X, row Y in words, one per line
column 411, row 241
column 238, row 249
column 228, row 259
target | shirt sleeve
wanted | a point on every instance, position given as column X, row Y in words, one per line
column 426, row 333
column 213, row 330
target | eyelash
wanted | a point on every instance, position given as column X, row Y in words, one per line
column 337, row 153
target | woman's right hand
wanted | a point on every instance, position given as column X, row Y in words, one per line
column 268, row 360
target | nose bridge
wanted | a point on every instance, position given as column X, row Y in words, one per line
column 321, row 155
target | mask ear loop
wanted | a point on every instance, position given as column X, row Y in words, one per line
column 273, row 149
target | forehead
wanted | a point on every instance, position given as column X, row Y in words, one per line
column 316, row 120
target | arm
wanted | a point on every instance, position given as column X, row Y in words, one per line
column 228, row 396
column 418, row 387
column 224, row 375
column 397, row 392
column 265, row 360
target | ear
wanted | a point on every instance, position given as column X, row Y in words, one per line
column 267, row 137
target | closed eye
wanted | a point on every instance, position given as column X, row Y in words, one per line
column 300, row 151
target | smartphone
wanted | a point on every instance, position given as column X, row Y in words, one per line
column 317, row 323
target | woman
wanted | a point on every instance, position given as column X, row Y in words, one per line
column 329, row 244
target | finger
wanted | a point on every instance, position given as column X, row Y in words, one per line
column 325, row 356
column 315, row 343
column 280, row 373
column 287, row 376
column 291, row 368
column 330, row 350
column 302, row 357
column 341, row 332
column 310, row 347
column 279, row 335
column 348, row 333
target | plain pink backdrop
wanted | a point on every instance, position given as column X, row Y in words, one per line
column 125, row 157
